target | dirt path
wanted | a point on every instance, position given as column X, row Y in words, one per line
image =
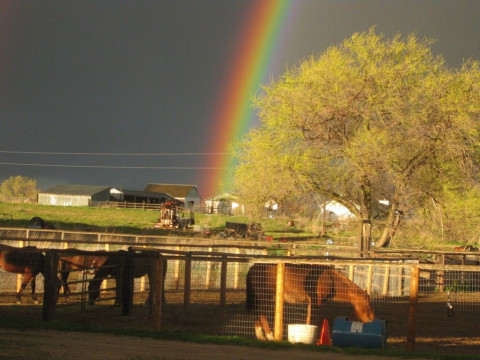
column 53, row 345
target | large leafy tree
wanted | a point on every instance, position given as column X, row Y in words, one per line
column 370, row 119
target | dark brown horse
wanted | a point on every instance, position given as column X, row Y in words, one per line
column 84, row 262
column 28, row 261
column 465, row 248
column 113, row 267
column 303, row 284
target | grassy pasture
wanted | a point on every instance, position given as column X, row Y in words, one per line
column 129, row 221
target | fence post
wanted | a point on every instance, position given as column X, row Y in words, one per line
column 50, row 289
column 365, row 238
column 386, row 279
column 400, row 281
column 127, row 284
column 278, row 327
column 208, row 271
column 223, row 282
column 412, row 315
column 351, row 273
column 156, row 294
column 235, row 271
column 370, row 279
column 188, row 281
column 177, row 271
column 441, row 274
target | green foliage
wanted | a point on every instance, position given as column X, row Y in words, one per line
column 459, row 287
column 462, row 215
column 18, row 188
column 369, row 119
column 453, row 216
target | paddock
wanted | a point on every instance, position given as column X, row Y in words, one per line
column 427, row 307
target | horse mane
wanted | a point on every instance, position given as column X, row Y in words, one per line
column 345, row 289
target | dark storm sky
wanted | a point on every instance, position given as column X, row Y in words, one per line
column 144, row 77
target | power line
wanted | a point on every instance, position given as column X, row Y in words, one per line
column 116, row 167
column 113, row 154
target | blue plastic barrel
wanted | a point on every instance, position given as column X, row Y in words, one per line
column 369, row 335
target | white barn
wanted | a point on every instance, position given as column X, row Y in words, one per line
column 73, row 195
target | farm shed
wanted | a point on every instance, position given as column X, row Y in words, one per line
column 223, row 204
column 137, row 196
column 188, row 194
column 336, row 211
column 73, row 195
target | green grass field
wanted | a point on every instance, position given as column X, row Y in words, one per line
column 129, row 221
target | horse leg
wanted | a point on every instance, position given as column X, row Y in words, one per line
column 259, row 331
column 118, row 290
column 18, row 297
column 262, row 329
column 33, row 286
column 64, row 282
column 309, row 311
column 26, row 279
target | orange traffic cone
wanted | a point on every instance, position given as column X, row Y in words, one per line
column 325, row 334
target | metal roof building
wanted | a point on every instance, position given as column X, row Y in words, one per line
column 188, row 194
column 73, row 195
column 136, row 196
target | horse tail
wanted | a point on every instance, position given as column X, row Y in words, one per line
column 250, row 301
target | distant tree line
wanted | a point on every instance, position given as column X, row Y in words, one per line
column 18, row 189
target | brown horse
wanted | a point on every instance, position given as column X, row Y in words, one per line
column 84, row 262
column 27, row 261
column 113, row 267
column 303, row 284
column 465, row 248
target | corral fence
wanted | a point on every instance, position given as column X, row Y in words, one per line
column 127, row 205
column 426, row 306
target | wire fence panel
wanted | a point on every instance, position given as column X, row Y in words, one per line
column 449, row 310
column 235, row 293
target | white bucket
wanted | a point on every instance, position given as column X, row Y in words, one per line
column 300, row 333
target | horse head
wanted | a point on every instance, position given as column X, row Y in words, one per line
column 362, row 308
column 94, row 290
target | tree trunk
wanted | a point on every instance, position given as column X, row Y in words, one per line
column 366, row 225
column 365, row 238
column 393, row 221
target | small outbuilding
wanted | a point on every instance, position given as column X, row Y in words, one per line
column 187, row 194
column 224, row 203
column 137, row 196
column 73, row 195
column 334, row 211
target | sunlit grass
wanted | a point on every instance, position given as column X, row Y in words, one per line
column 130, row 221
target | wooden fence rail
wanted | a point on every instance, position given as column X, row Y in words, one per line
column 383, row 278
column 127, row 205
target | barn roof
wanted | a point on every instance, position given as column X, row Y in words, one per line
column 175, row 190
column 150, row 194
column 86, row 190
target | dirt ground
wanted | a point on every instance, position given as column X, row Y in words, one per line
column 53, row 345
column 436, row 332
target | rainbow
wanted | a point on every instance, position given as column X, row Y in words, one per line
column 252, row 59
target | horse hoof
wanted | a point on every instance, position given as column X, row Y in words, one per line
column 36, row 302
column 18, row 302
